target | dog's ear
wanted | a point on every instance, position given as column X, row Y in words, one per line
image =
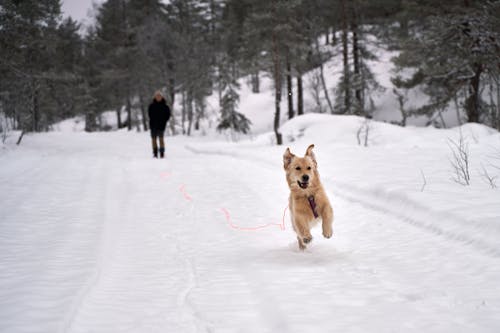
column 287, row 158
column 310, row 153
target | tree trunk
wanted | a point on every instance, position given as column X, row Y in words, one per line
column 200, row 113
column 472, row 102
column 144, row 113
column 401, row 101
column 323, row 82
column 289, row 87
column 119, row 116
column 171, row 89
column 498, row 104
column 189, row 112
column 357, row 84
column 345, row 56
column 90, row 121
column 277, row 89
column 35, row 108
column 129, row 114
column 300, row 95
column 183, row 116
column 20, row 138
column 197, row 118
column 256, row 82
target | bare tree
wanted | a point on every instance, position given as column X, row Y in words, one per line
column 363, row 132
column 402, row 99
column 321, row 76
column 314, row 84
column 460, row 160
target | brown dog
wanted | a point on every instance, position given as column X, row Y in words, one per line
column 308, row 200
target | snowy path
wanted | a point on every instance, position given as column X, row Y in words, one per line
column 93, row 241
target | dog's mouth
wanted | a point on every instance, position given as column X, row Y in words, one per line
column 303, row 185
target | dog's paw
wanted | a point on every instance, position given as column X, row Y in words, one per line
column 328, row 233
column 307, row 240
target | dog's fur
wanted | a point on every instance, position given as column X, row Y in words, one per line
column 303, row 179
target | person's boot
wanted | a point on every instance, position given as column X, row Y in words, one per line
column 162, row 152
column 155, row 152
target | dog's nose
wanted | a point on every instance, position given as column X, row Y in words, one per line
column 305, row 178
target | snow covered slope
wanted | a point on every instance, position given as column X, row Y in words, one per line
column 96, row 236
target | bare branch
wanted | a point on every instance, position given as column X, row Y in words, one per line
column 489, row 179
column 460, row 160
column 363, row 132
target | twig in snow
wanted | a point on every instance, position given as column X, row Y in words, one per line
column 364, row 130
column 496, row 157
column 460, row 160
column 489, row 179
column 424, row 179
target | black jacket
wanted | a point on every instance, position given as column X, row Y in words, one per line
column 159, row 114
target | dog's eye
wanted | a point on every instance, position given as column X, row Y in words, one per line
column 308, row 168
column 297, row 168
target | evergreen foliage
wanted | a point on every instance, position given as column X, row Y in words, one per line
column 52, row 69
column 454, row 57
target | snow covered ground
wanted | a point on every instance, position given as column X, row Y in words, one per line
column 96, row 236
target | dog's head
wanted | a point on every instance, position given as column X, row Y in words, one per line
column 301, row 172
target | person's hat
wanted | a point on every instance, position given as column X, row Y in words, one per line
column 158, row 92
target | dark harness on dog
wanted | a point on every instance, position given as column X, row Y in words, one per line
column 312, row 203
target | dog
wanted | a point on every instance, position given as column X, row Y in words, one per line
column 308, row 202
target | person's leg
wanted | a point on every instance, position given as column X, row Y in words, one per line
column 155, row 145
column 162, row 145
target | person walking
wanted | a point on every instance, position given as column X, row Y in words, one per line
column 159, row 114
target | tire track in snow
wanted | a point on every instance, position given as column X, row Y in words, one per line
column 185, row 302
column 416, row 215
column 70, row 317
column 412, row 213
column 183, row 299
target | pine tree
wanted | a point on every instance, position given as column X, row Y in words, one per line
column 273, row 23
column 357, row 82
column 26, row 43
column 455, row 58
column 231, row 119
column 193, row 59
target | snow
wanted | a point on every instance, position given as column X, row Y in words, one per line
column 96, row 236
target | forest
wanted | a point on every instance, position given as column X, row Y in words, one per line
column 52, row 69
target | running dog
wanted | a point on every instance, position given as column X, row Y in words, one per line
column 308, row 201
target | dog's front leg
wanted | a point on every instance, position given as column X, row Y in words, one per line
column 303, row 233
column 327, row 218
column 302, row 246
